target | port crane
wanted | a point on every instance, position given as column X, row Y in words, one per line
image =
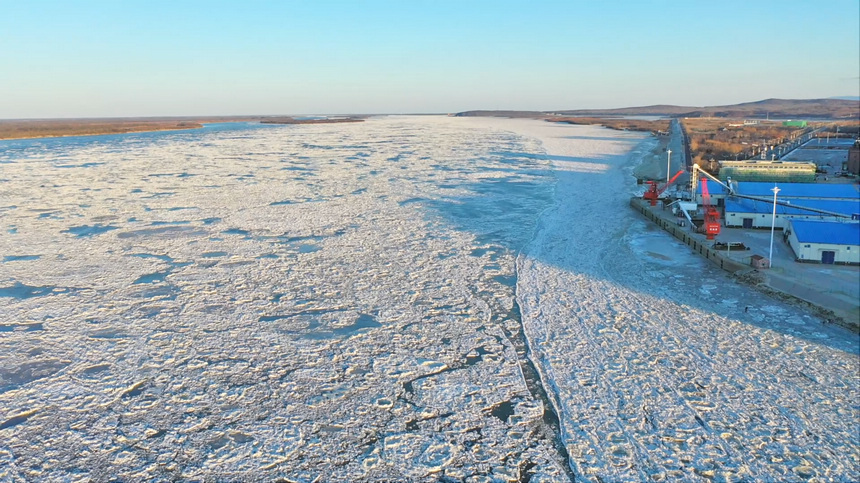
column 652, row 194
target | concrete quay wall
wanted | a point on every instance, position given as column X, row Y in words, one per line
column 843, row 313
column 693, row 240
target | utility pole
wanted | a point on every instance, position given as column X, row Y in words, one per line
column 668, row 162
column 772, row 227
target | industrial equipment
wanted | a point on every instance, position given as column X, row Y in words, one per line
column 652, row 194
column 712, row 215
column 732, row 191
column 694, row 180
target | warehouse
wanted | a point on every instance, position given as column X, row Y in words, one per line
column 811, row 191
column 824, row 242
column 746, row 213
column 792, row 191
column 768, row 171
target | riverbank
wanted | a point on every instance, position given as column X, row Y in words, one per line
column 657, row 362
column 54, row 128
column 821, row 293
column 35, row 129
column 831, row 293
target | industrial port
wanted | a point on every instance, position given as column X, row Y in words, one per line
column 787, row 223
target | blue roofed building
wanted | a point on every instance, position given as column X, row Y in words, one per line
column 813, row 191
column 746, row 213
column 824, row 242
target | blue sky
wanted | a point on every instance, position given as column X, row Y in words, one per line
column 166, row 58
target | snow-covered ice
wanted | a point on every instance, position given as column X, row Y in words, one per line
column 250, row 302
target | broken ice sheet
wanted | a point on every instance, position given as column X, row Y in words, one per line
column 248, row 319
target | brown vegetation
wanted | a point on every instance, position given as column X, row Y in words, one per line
column 30, row 128
column 485, row 113
column 768, row 108
column 773, row 108
column 843, row 128
column 720, row 139
column 619, row 124
column 25, row 129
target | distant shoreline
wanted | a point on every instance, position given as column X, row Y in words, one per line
column 57, row 128
column 21, row 130
column 292, row 120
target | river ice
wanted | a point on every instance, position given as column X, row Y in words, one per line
column 337, row 303
column 662, row 367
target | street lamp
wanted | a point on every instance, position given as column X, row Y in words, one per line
column 772, row 226
column 668, row 161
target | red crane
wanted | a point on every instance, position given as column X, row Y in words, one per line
column 712, row 215
column 653, row 194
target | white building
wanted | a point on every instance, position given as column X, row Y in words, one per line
column 824, row 242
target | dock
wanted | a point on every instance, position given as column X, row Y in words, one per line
column 834, row 306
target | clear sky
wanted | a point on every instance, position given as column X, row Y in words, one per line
column 166, row 58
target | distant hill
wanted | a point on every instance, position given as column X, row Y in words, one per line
column 774, row 108
column 782, row 108
column 656, row 110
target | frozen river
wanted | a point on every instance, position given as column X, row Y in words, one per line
column 355, row 302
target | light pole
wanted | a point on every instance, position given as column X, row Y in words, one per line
column 772, row 226
column 668, row 161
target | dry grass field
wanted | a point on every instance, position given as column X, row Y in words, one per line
column 719, row 138
column 26, row 129
column 619, row 124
